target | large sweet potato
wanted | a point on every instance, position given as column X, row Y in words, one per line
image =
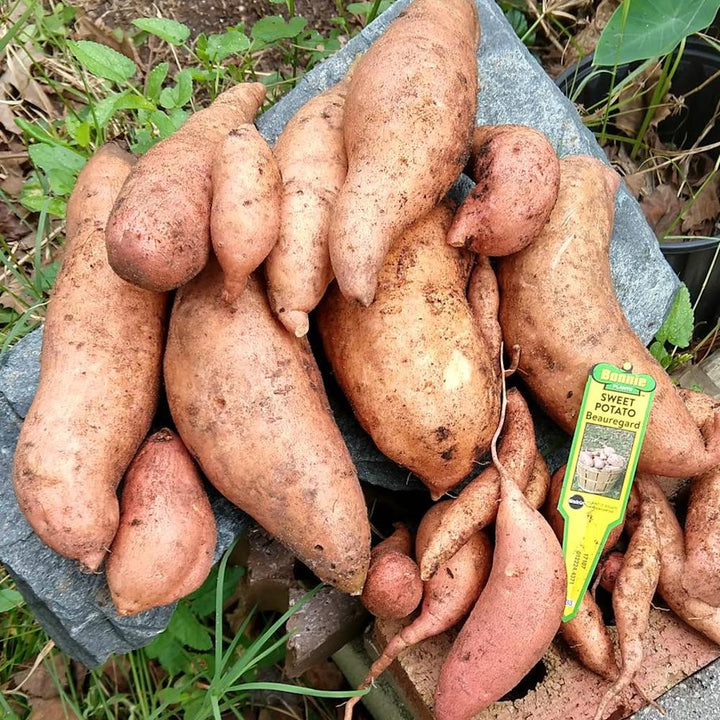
column 100, row 371
column 158, row 235
column 415, row 368
column 249, row 403
column 559, row 305
column 409, row 118
column 310, row 153
column 164, row 546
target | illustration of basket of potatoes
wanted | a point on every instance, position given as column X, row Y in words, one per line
column 599, row 470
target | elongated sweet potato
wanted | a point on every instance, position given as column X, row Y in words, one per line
column 393, row 588
column 698, row 614
column 249, row 404
column 496, row 219
column 567, row 266
column 164, row 546
column 409, row 118
column 245, row 215
column 484, row 299
column 516, row 616
column 100, row 371
column 476, row 505
column 538, row 487
column 311, row 156
column 609, row 569
column 158, row 235
column 413, row 365
column 448, row 596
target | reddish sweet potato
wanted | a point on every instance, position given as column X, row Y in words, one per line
column 496, row 219
column 100, row 371
column 516, row 616
column 158, row 235
column 393, row 588
column 476, row 506
column 418, row 374
column 164, row 546
column 409, row 118
column 249, row 403
column 608, row 570
column 567, row 266
column 448, row 596
column 310, row 153
column 245, row 216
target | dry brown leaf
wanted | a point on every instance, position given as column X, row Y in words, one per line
column 52, row 709
column 661, row 208
column 586, row 39
column 705, row 206
column 638, row 183
column 18, row 76
column 39, row 683
column 88, row 29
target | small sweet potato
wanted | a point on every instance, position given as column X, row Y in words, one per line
column 164, row 546
column 393, row 588
column 608, row 570
column 158, row 235
column 409, row 117
column 100, row 372
column 516, row 616
column 567, row 266
column 310, row 153
column 517, row 174
column 538, row 487
column 249, row 403
column 245, row 215
column 483, row 297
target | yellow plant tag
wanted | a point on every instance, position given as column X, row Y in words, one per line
column 600, row 470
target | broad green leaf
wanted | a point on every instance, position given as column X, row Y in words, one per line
column 79, row 130
column 60, row 164
column 274, row 27
column 162, row 121
column 34, row 198
column 678, row 326
column 225, row 44
column 48, row 275
column 643, row 29
column 143, row 141
column 10, row 599
column 169, row 652
column 202, row 601
column 186, row 628
column 102, row 61
column 180, row 94
column 171, row 31
column 658, row 351
column 155, row 79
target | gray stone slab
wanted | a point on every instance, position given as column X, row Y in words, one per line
column 74, row 608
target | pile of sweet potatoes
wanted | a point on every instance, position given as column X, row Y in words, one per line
column 251, row 238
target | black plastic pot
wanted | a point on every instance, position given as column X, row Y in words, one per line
column 691, row 259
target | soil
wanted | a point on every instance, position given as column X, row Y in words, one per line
column 205, row 16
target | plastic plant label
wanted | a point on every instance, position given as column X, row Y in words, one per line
column 600, row 470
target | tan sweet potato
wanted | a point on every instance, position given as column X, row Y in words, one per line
column 100, row 371
column 567, row 267
column 413, row 365
column 245, row 215
column 409, row 118
column 310, row 153
column 538, row 487
column 448, row 596
column 484, row 299
column 164, row 546
column 249, row 403
column 516, row 616
column 517, row 174
column 393, row 588
column 158, row 235
column 476, row 505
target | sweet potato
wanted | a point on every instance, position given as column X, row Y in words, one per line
column 608, row 570
column 476, row 505
column 393, row 588
column 484, row 299
column 413, row 365
column 164, row 546
column 448, row 596
column 632, row 597
column 409, row 118
column 538, row 487
column 698, row 614
column 567, row 266
column 245, row 215
column 517, row 174
column 310, row 153
column 158, row 235
column 100, row 371
column 249, row 403
column 516, row 616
